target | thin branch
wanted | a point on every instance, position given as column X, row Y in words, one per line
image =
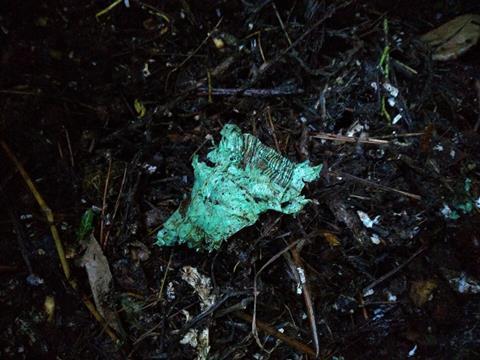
column 205, row 91
column 394, row 271
column 43, row 205
column 255, row 293
column 307, row 298
column 58, row 243
column 350, row 139
column 383, row 187
column 104, row 202
column 293, row 343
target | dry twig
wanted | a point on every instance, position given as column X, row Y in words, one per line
column 293, row 343
column 394, row 271
column 58, row 243
column 350, row 139
column 307, row 298
column 383, row 187
column 255, row 292
column 104, row 203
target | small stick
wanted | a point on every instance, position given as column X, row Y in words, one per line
column 60, row 151
column 8, row 269
column 43, row 205
column 255, row 292
column 394, row 136
column 394, row 271
column 259, row 39
column 362, row 305
column 293, row 343
column 269, row 117
column 160, row 292
column 207, row 91
column 69, row 144
column 117, row 203
column 404, row 66
column 104, row 202
column 209, row 78
column 207, row 139
column 153, row 10
column 58, row 243
column 477, row 87
column 383, row 187
column 193, row 53
column 107, row 9
column 295, row 43
column 39, row 93
column 282, row 25
column 350, row 139
column 308, row 300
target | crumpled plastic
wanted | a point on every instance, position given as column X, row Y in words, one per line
column 247, row 179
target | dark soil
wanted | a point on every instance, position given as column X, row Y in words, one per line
column 107, row 111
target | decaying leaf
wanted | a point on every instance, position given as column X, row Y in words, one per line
column 454, row 38
column 331, row 238
column 203, row 287
column 201, row 284
column 100, row 279
column 421, row 291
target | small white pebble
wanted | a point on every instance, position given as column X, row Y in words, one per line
column 413, row 351
column 145, row 71
column 392, row 90
column 365, row 219
column 446, row 211
column 299, row 289
column 301, row 274
column 150, row 168
column 396, row 119
column 375, row 239
column 170, row 291
column 391, row 297
column 368, row 292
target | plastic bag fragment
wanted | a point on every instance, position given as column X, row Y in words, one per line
column 247, row 179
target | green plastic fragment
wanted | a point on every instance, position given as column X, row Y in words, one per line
column 468, row 185
column 466, row 207
column 454, row 215
column 86, row 225
column 247, row 179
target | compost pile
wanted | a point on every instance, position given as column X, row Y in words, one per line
column 104, row 106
